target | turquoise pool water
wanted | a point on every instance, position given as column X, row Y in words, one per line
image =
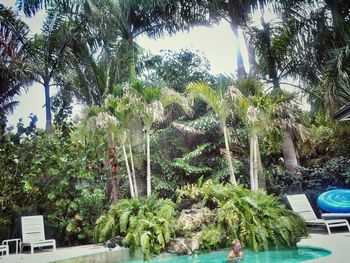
column 274, row 256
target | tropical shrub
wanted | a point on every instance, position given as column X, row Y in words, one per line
column 143, row 223
column 64, row 186
column 14, row 162
column 257, row 219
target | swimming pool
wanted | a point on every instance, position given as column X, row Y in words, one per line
column 291, row 255
column 277, row 256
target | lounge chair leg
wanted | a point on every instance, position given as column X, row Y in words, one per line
column 328, row 229
column 31, row 250
column 348, row 226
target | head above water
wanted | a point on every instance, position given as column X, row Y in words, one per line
column 236, row 245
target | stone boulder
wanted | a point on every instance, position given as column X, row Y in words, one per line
column 188, row 229
column 185, row 245
column 114, row 242
column 192, row 219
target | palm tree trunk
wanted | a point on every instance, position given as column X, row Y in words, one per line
column 132, row 192
column 241, row 73
column 261, row 177
column 256, row 168
column 253, row 67
column 131, row 58
column 290, row 160
column 290, row 157
column 48, row 107
column 148, row 162
column 133, row 171
column 254, row 162
column 112, row 181
column 114, row 189
column 228, row 154
column 251, row 162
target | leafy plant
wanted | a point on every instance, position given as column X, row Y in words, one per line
column 144, row 223
column 257, row 219
column 211, row 238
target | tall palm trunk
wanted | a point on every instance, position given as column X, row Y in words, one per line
column 137, row 139
column 131, row 59
column 241, row 73
column 254, row 161
column 289, row 153
column 132, row 192
column 228, row 154
column 261, row 177
column 251, row 163
column 112, row 181
column 149, row 188
column 253, row 67
column 133, row 171
column 48, row 107
column 290, row 159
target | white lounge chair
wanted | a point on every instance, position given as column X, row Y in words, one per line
column 33, row 233
column 4, row 248
column 300, row 204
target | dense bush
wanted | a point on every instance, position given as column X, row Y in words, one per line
column 256, row 219
column 143, row 223
column 13, row 200
column 52, row 176
column 65, row 187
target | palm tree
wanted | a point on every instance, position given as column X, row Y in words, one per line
column 251, row 107
column 13, row 61
column 286, row 116
column 47, row 55
column 280, row 56
column 154, row 101
column 125, row 110
column 221, row 103
column 96, row 124
column 93, row 72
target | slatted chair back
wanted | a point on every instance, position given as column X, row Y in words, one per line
column 32, row 229
column 301, row 205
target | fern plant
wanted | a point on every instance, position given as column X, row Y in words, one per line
column 255, row 218
column 144, row 223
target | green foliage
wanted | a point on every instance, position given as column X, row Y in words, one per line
column 64, row 186
column 179, row 69
column 62, row 108
column 256, row 219
column 211, row 238
column 144, row 223
column 14, row 162
column 13, row 61
column 53, row 176
column 183, row 164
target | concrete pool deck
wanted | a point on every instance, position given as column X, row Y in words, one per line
column 47, row 255
column 338, row 244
